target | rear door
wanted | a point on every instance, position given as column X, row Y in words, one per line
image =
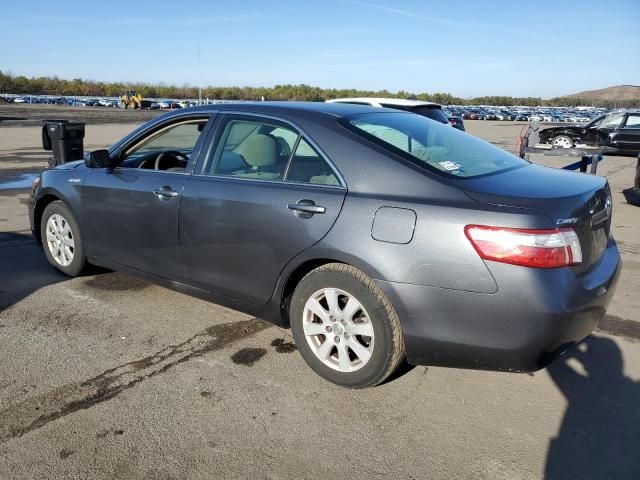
column 264, row 194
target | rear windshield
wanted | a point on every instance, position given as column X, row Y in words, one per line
column 434, row 113
column 430, row 144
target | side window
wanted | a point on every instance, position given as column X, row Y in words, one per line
column 253, row 149
column 181, row 138
column 174, row 144
column 307, row 166
column 633, row 121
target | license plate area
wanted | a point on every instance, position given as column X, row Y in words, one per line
column 600, row 238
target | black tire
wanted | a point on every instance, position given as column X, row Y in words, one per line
column 637, row 181
column 79, row 261
column 388, row 347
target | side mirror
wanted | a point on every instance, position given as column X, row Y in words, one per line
column 99, row 159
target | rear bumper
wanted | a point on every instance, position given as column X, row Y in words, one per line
column 535, row 316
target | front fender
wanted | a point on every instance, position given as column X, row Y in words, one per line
column 57, row 184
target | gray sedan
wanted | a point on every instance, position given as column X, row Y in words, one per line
column 377, row 236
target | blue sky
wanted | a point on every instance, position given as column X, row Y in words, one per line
column 467, row 48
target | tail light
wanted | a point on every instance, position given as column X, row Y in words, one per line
column 530, row 248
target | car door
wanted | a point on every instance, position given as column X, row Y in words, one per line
column 628, row 135
column 131, row 212
column 264, row 194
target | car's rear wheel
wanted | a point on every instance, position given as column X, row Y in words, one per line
column 345, row 327
column 561, row 141
column 62, row 240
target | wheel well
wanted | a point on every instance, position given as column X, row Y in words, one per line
column 37, row 213
column 293, row 280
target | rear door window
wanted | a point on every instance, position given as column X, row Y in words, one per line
column 252, row 149
column 307, row 166
column 265, row 149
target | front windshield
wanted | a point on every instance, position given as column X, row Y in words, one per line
column 612, row 120
column 433, row 145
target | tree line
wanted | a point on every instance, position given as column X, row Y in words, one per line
column 19, row 84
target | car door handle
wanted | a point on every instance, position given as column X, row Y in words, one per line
column 306, row 206
column 165, row 193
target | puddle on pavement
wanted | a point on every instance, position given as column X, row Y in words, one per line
column 248, row 356
column 282, row 346
column 17, row 183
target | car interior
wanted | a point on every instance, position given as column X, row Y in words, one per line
column 262, row 151
column 246, row 149
column 168, row 149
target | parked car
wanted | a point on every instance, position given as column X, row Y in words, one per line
column 426, row 109
column 619, row 130
column 456, row 122
column 375, row 235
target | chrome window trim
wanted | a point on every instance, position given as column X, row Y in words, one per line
column 301, row 133
column 271, row 182
column 132, row 169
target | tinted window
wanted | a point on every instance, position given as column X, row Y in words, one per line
column 633, row 121
column 434, row 113
column 434, row 145
column 181, row 138
column 307, row 166
column 252, row 149
column 395, row 107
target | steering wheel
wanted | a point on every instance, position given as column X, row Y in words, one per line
column 170, row 153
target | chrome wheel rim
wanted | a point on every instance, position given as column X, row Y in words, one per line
column 562, row 142
column 338, row 330
column 60, row 240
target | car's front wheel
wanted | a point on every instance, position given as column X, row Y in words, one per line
column 561, row 141
column 62, row 240
column 345, row 327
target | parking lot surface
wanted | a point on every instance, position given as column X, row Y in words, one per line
column 107, row 376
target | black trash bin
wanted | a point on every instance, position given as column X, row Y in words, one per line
column 65, row 138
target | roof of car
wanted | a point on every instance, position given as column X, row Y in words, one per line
column 290, row 108
column 389, row 101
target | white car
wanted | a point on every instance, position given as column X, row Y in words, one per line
column 19, row 100
column 426, row 109
column 105, row 102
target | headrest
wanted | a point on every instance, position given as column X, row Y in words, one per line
column 260, row 151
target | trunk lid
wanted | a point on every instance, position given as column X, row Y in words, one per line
column 576, row 200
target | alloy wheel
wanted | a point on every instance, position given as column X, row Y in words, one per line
column 562, row 142
column 60, row 239
column 338, row 330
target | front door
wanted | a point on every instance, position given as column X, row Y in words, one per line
column 131, row 212
column 264, row 196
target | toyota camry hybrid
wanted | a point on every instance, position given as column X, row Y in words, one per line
column 376, row 235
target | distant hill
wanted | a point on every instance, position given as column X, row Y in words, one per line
column 620, row 92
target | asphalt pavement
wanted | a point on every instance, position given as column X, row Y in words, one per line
column 107, row 376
